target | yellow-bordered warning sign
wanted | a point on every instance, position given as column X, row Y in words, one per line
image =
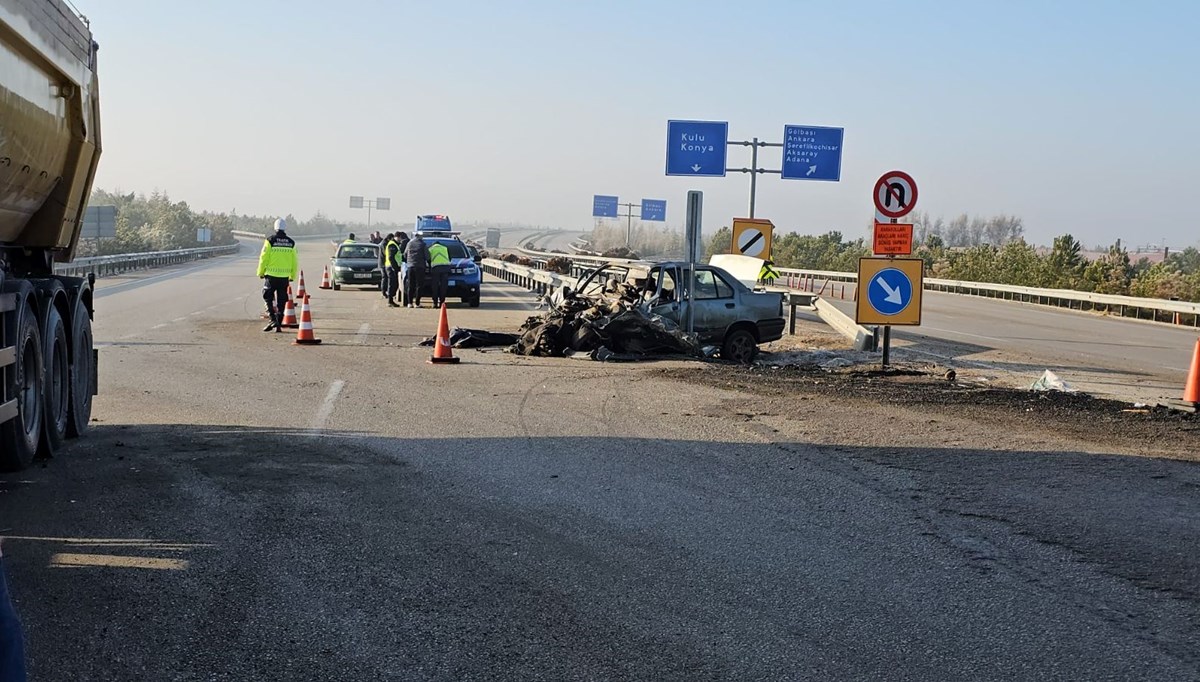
column 752, row 237
column 889, row 291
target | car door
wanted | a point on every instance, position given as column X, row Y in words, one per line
column 666, row 300
column 714, row 303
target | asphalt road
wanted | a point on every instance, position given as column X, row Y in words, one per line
column 245, row 509
column 1107, row 355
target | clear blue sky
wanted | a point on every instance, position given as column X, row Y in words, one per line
column 1076, row 116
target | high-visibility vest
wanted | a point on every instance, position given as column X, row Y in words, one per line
column 438, row 255
column 278, row 257
column 390, row 249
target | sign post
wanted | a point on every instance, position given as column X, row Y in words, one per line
column 889, row 289
column 692, row 232
column 380, row 203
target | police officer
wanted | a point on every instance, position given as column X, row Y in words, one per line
column 391, row 262
column 277, row 265
column 349, row 239
column 383, row 281
column 439, row 272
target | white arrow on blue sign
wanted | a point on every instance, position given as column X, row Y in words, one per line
column 697, row 148
column 890, row 292
column 812, row 153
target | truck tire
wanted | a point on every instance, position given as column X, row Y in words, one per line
column 19, row 437
column 474, row 302
column 83, row 370
column 57, row 384
column 739, row 346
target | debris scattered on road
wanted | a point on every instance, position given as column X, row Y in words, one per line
column 475, row 338
column 1050, row 381
column 607, row 327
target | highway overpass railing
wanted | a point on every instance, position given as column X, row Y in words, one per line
column 841, row 285
column 116, row 264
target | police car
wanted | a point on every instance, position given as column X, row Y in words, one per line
column 466, row 278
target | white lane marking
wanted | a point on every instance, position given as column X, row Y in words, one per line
column 361, row 339
column 179, row 319
column 159, row 326
column 335, row 389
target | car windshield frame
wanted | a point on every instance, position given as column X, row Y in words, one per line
column 359, row 251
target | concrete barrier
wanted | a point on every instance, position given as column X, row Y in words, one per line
column 843, row 324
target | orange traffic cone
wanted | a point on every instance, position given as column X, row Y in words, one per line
column 290, row 292
column 326, row 283
column 442, row 352
column 305, row 337
column 289, row 316
column 1191, row 390
column 300, row 292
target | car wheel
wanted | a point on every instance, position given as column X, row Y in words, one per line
column 739, row 347
column 337, row 287
column 474, row 303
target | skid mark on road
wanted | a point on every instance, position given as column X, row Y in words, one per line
column 323, row 414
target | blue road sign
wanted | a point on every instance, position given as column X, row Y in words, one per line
column 604, row 206
column 890, row 292
column 812, row 153
column 654, row 209
column 697, row 148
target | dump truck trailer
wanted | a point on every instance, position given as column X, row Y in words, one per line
column 49, row 150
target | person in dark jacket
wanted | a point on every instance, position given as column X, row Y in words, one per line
column 402, row 241
column 416, row 257
column 12, row 641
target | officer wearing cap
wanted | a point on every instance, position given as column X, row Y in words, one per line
column 277, row 265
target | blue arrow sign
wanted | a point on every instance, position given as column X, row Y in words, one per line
column 812, row 153
column 697, row 148
column 604, row 206
column 654, row 209
column 890, row 292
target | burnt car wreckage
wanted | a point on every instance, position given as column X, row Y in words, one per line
column 636, row 310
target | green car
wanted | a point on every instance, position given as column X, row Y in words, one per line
column 357, row 264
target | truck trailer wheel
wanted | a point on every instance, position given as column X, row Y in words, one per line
column 57, row 387
column 83, row 371
column 19, row 437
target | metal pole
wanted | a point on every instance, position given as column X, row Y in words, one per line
column 753, row 174
column 887, row 344
column 629, row 227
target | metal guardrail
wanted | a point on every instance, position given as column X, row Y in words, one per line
column 1176, row 311
column 537, row 281
column 110, row 265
